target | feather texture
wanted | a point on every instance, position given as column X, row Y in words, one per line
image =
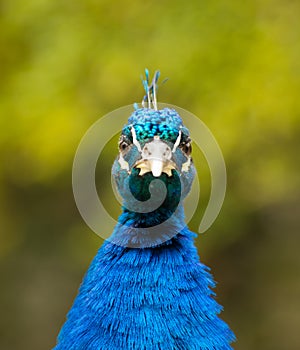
column 146, row 299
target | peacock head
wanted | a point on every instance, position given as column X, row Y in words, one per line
column 154, row 145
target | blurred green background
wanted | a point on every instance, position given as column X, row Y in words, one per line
column 235, row 64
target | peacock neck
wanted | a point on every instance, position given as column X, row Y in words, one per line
column 155, row 217
column 138, row 230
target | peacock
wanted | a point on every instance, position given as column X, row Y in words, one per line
column 146, row 288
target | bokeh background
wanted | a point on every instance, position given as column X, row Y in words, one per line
column 235, row 64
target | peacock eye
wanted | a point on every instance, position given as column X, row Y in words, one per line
column 123, row 145
column 186, row 148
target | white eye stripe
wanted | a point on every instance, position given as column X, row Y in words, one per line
column 177, row 142
column 134, row 139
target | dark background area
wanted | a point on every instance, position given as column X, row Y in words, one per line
column 236, row 65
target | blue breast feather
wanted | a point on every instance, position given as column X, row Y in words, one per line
column 146, row 299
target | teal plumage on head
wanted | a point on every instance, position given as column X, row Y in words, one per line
column 149, row 122
column 146, row 288
column 153, row 138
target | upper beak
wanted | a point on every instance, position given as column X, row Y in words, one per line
column 156, row 158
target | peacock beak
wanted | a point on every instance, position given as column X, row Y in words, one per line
column 156, row 166
column 156, row 158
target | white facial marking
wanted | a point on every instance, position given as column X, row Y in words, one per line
column 176, row 144
column 134, row 139
column 156, row 149
column 186, row 165
column 124, row 165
